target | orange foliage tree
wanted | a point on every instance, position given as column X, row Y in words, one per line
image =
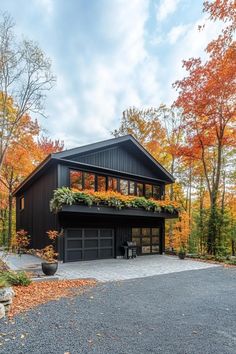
column 207, row 98
column 181, row 232
column 24, row 153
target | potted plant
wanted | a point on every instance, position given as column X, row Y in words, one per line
column 182, row 252
column 49, row 267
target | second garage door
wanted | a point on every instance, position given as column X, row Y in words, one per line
column 87, row 244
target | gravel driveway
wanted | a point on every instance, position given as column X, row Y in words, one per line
column 185, row 313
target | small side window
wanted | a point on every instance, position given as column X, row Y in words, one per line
column 22, row 203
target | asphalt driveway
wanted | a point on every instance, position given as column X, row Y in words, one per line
column 187, row 312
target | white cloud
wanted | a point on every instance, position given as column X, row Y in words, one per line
column 176, row 33
column 191, row 44
column 166, row 8
column 108, row 84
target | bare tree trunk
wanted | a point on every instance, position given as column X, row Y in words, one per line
column 10, row 207
column 233, row 247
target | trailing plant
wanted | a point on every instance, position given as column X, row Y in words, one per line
column 66, row 196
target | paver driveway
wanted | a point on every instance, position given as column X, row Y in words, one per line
column 123, row 269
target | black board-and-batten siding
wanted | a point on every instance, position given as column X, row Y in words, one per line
column 120, row 158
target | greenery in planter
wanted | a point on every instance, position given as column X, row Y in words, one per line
column 15, row 278
column 116, row 200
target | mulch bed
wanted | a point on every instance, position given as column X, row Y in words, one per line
column 27, row 297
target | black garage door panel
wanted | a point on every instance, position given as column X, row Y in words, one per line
column 88, row 244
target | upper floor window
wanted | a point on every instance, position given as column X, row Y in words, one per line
column 157, row 192
column 76, row 179
column 124, row 186
column 112, row 184
column 148, row 190
column 131, row 187
column 139, row 189
column 101, row 183
column 22, row 203
column 89, row 181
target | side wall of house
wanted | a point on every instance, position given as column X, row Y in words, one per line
column 36, row 217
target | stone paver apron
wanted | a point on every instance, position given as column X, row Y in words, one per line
column 122, row 269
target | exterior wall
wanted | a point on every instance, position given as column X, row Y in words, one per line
column 122, row 226
column 36, row 217
column 119, row 159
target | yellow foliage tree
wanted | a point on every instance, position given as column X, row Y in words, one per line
column 181, row 231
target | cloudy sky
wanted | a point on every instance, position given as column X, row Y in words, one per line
column 109, row 55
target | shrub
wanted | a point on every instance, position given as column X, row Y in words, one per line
column 231, row 261
column 16, row 278
column 22, row 240
column 3, row 283
column 48, row 254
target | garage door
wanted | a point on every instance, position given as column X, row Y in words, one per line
column 87, row 244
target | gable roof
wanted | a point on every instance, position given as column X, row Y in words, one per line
column 109, row 143
column 86, row 149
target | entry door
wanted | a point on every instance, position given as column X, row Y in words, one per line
column 147, row 240
column 87, row 244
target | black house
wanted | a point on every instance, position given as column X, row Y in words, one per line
column 119, row 164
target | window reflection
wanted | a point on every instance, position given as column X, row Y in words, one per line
column 139, row 189
column 124, row 187
column 89, row 181
column 101, row 183
column 112, row 184
column 76, row 180
column 146, row 231
column 85, row 180
column 156, row 192
column 148, row 190
column 155, row 231
column 131, row 187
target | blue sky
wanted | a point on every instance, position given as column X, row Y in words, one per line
column 109, row 55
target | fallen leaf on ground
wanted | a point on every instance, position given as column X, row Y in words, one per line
column 27, row 297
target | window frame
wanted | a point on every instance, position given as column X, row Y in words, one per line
column 118, row 180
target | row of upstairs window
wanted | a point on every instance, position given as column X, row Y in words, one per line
column 85, row 180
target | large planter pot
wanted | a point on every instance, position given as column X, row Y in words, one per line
column 181, row 255
column 49, row 268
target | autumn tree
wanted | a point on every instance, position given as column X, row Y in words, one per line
column 25, row 153
column 207, row 97
column 25, row 77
